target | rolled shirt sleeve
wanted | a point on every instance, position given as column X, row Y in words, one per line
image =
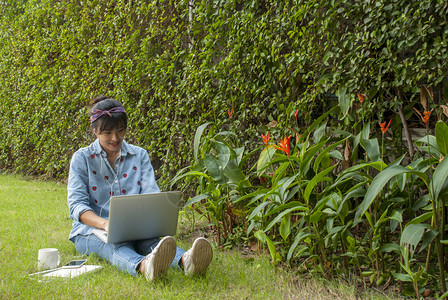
column 77, row 188
column 149, row 184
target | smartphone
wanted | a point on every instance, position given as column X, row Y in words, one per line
column 74, row 264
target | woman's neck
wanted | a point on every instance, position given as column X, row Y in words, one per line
column 112, row 157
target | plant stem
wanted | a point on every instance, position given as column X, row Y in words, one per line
column 407, row 133
column 322, row 250
column 417, row 294
column 428, row 256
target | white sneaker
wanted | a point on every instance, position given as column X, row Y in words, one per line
column 197, row 259
column 158, row 261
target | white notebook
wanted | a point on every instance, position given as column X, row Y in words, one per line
column 65, row 272
column 72, row 272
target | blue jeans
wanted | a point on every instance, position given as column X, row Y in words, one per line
column 126, row 255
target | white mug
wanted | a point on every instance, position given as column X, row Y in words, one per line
column 48, row 258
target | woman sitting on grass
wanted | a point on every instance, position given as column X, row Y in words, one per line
column 110, row 166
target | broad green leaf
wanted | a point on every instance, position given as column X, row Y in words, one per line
column 197, row 139
column 402, row 277
column 397, row 216
column 197, row 199
column 260, row 235
column 315, row 217
column 325, row 161
column 335, row 230
column 421, row 218
column 256, row 196
column 299, row 238
column 372, row 148
column 442, row 137
column 336, row 154
column 226, row 133
column 378, row 184
column 258, row 209
column 280, row 216
column 330, row 223
column 285, row 226
column 223, row 154
column 378, row 165
column 428, row 238
column 357, row 192
column 428, row 144
column 253, row 224
column 325, row 151
column 427, row 140
column 214, row 169
column 313, row 182
column 272, row 249
column 284, row 185
column 412, row 235
column 351, row 241
column 439, row 178
column 239, row 152
column 285, row 206
column 319, row 133
column 233, row 172
column 369, row 219
column 191, row 173
column 390, row 247
column 308, row 156
column 344, row 101
column 363, row 135
column 280, row 173
column 334, row 200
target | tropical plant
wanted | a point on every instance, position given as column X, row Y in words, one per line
column 218, row 175
column 435, row 188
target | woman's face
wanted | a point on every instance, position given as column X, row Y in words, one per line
column 111, row 139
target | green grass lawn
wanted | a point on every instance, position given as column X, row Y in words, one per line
column 34, row 215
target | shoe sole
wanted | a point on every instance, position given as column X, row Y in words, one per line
column 202, row 255
column 163, row 256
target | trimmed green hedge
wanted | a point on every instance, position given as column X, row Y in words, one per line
column 176, row 66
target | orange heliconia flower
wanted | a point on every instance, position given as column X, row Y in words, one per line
column 296, row 113
column 361, row 98
column 284, row 145
column 265, row 138
column 425, row 116
column 230, row 112
column 383, row 126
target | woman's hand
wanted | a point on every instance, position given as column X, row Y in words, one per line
column 106, row 225
column 91, row 219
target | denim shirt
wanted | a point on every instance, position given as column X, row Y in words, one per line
column 92, row 181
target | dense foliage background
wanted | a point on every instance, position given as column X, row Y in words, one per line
column 177, row 64
column 202, row 81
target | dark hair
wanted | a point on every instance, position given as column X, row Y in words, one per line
column 114, row 120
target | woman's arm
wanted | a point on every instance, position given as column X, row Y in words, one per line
column 149, row 184
column 78, row 194
column 91, row 219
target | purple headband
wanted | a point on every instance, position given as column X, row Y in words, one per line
column 98, row 113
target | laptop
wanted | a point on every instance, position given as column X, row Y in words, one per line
column 139, row 217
